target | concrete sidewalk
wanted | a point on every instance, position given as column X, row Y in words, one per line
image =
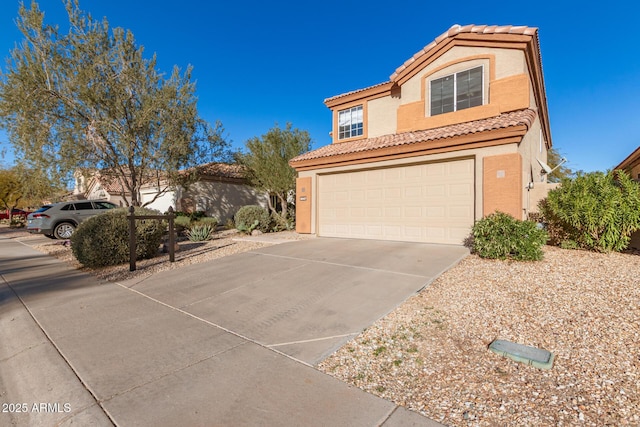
column 105, row 353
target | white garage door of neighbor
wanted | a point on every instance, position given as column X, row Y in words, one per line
column 432, row 202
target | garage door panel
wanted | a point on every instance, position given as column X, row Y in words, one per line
column 422, row 203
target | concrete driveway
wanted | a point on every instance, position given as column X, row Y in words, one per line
column 229, row 342
column 307, row 298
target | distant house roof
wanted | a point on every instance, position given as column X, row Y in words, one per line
column 505, row 120
column 221, row 170
column 632, row 160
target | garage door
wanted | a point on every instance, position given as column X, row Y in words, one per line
column 431, row 202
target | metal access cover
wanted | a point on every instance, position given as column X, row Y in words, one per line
column 533, row 356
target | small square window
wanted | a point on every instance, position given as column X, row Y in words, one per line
column 350, row 122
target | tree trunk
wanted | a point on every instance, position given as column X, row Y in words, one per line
column 283, row 205
column 272, row 209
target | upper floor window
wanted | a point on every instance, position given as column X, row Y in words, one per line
column 457, row 91
column 350, row 122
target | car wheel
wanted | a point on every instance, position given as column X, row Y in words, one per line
column 64, row 230
column 51, row 236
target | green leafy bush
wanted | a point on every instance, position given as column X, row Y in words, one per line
column 279, row 224
column 201, row 232
column 193, row 216
column 182, row 223
column 247, row 216
column 104, row 239
column 197, row 215
column 596, row 211
column 213, row 222
column 501, row 236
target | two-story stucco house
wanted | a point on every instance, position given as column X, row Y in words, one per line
column 454, row 135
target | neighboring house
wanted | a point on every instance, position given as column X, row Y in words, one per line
column 220, row 191
column 454, row 135
column 631, row 165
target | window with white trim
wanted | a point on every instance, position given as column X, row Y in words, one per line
column 457, row 91
column 350, row 122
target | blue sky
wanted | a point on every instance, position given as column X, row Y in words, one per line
column 257, row 63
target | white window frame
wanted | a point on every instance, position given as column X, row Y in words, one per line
column 351, row 122
column 455, row 90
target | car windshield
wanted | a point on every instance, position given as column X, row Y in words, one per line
column 44, row 208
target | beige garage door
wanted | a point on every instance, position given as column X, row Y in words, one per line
column 431, row 202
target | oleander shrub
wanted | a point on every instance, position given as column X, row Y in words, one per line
column 595, row 211
column 252, row 217
column 103, row 240
column 501, row 236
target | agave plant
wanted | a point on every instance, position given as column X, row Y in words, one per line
column 200, row 232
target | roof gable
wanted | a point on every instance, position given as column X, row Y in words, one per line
column 508, row 36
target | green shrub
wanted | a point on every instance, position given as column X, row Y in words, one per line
column 279, row 224
column 201, row 232
column 247, row 216
column 213, row 222
column 501, row 236
column 193, row 216
column 104, row 239
column 197, row 215
column 595, row 211
column 229, row 224
column 182, row 223
column 553, row 226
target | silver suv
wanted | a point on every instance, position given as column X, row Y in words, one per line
column 59, row 220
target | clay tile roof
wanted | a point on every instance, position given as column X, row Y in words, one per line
column 221, row 170
column 505, row 120
column 355, row 91
column 459, row 29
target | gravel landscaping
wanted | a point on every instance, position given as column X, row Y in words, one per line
column 431, row 354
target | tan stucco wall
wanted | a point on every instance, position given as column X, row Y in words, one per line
column 532, row 148
column 382, row 115
column 508, row 62
column 509, row 92
column 477, row 154
column 539, row 192
column 222, row 199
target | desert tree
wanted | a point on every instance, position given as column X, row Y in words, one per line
column 267, row 162
column 11, row 190
column 88, row 99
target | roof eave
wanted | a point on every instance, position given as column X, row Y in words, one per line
column 630, row 161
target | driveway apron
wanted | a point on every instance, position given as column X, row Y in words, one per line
column 228, row 342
